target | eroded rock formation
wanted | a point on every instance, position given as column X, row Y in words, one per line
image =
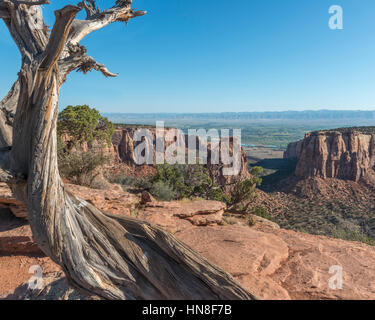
column 124, row 144
column 123, row 151
column 109, row 151
column 293, row 150
column 347, row 154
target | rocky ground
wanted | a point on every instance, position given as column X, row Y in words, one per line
column 271, row 262
column 331, row 191
column 333, row 207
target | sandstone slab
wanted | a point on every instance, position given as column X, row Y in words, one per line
column 179, row 215
column 7, row 201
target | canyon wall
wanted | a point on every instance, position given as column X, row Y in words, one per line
column 109, row 151
column 345, row 154
column 123, row 151
column 124, row 145
column 293, row 150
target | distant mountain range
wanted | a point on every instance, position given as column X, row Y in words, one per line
column 282, row 115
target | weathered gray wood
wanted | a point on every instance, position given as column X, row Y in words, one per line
column 8, row 108
column 109, row 256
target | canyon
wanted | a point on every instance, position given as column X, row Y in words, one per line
column 272, row 262
column 329, row 188
column 122, row 152
column 347, row 154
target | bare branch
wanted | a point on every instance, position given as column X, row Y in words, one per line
column 77, row 59
column 89, row 64
column 8, row 108
column 60, row 31
column 90, row 8
column 4, row 13
column 122, row 12
column 74, row 56
column 30, row 2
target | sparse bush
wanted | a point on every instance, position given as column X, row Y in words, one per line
column 352, row 235
column 129, row 182
column 217, row 194
column 80, row 167
column 163, row 191
column 175, row 182
column 123, row 180
column 243, row 193
column 261, row 212
column 134, row 210
column 126, row 182
column 186, row 181
column 97, row 183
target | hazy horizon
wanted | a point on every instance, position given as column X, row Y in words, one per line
column 322, row 118
column 250, row 111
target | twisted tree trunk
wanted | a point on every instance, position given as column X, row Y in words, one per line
column 109, row 256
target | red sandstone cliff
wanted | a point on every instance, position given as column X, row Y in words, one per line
column 293, row 150
column 125, row 145
column 123, row 151
column 343, row 154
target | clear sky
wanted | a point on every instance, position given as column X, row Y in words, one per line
column 217, row 56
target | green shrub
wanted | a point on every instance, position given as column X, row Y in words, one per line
column 174, row 182
column 243, row 193
column 257, row 171
column 217, row 194
column 186, row 181
column 352, row 235
column 130, row 182
column 80, row 167
column 163, row 191
column 84, row 124
column 125, row 181
column 261, row 212
column 192, row 181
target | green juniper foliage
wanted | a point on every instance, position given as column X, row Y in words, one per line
column 84, row 124
column 174, row 182
column 244, row 192
column 185, row 181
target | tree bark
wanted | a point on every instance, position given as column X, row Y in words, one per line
column 7, row 112
column 113, row 257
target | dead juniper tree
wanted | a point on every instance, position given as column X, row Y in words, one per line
column 101, row 254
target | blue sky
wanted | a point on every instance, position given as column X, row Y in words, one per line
column 218, row 56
